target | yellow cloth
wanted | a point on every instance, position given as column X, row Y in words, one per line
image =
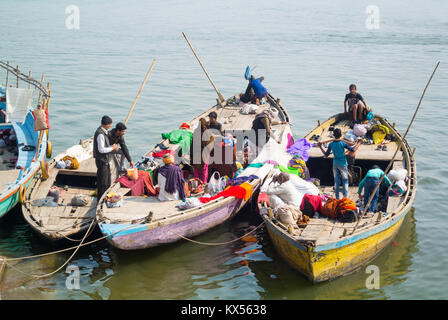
column 248, row 187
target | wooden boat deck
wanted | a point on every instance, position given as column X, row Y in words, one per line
column 365, row 152
column 7, row 177
column 321, row 230
column 64, row 220
column 138, row 208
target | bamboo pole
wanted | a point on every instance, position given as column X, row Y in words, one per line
column 396, row 151
column 140, row 91
column 220, row 97
column 47, row 107
column 40, row 92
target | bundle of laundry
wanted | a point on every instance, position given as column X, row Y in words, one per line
column 299, row 166
column 343, row 210
column 398, row 178
column 114, row 200
column 248, row 108
column 70, row 163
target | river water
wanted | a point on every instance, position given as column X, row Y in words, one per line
column 308, row 53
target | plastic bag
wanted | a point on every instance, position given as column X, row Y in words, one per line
column 133, row 174
column 359, row 130
column 192, row 202
column 80, row 200
column 216, row 184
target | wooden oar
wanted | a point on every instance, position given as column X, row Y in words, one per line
column 140, row 91
column 220, row 97
column 396, row 151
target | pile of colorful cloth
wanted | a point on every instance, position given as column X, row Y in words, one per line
column 143, row 185
column 242, row 191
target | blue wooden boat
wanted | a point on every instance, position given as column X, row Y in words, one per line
column 24, row 154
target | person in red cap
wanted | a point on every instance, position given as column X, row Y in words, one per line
column 184, row 125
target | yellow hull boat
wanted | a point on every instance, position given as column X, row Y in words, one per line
column 326, row 249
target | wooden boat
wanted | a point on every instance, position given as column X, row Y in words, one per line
column 144, row 222
column 65, row 221
column 20, row 161
column 326, row 249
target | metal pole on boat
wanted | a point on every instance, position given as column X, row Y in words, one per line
column 140, row 91
column 7, row 75
column 220, row 97
column 17, row 76
column 396, row 151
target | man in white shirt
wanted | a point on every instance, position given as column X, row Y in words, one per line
column 101, row 152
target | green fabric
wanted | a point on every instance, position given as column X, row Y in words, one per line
column 181, row 137
column 289, row 170
column 256, row 165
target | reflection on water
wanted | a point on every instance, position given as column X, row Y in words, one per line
column 246, row 269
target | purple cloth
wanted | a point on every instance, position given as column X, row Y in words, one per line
column 300, row 148
column 174, row 179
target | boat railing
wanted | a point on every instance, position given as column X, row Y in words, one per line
column 19, row 75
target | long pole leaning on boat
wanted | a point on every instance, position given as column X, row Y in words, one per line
column 220, row 97
column 366, row 207
column 140, row 91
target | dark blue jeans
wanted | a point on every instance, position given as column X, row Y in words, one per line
column 369, row 186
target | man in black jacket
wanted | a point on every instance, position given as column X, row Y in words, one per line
column 102, row 149
column 116, row 136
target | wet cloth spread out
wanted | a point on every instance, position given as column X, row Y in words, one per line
column 143, row 185
column 181, row 137
column 256, row 165
column 235, row 191
column 240, row 180
column 300, row 147
column 174, row 179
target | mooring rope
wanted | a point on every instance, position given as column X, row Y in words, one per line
column 82, row 243
column 217, row 243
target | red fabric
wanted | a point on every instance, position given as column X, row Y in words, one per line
column 235, row 191
column 315, row 201
column 146, row 176
column 143, row 185
column 160, row 154
column 137, row 186
column 263, row 196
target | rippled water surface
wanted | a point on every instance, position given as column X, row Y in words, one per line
column 308, row 54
